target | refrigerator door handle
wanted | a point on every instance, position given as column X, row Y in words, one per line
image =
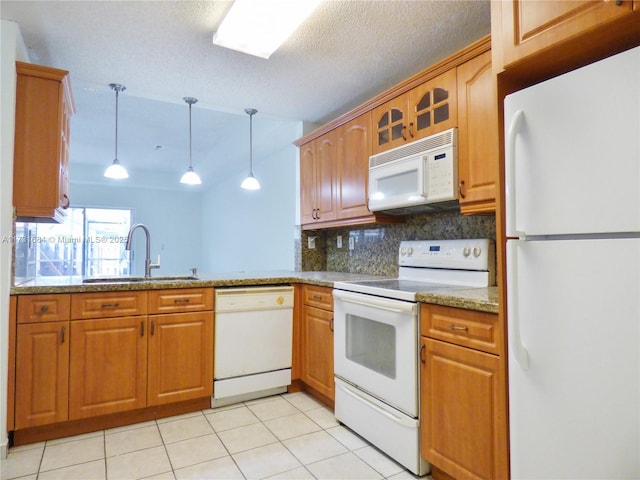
column 510, row 190
column 513, row 308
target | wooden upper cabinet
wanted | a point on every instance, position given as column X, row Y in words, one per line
column 535, row 26
column 477, row 135
column 353, row 168
column 425, row 110
column 44, row 105
column 317, row 180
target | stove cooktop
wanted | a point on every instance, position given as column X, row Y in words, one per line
column 429, row 266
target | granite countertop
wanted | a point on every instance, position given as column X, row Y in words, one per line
column 483, row 299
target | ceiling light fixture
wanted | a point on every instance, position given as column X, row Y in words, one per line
column 115, row 170
column 190, row 177
column 251, row 182
column 259, row 27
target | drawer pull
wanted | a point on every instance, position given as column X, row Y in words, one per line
column 458, row 327
column 181, row 300
column 317, row 297
column 110, row 305
column 44, row 308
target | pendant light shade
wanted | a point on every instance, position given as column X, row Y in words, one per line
column 251, row 182
column 190, row 177
column 115, row 170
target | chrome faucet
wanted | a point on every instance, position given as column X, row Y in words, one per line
column 147, row 262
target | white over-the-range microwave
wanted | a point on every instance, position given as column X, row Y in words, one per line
column 421, row 176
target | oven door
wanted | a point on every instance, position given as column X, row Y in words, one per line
column 375, row 347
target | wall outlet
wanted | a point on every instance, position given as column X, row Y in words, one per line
column 339, row 241
column 352, row 243
column 311, row 243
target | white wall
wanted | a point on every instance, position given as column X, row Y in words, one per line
column 13, row 49
column 172, row 217
column 253, row 230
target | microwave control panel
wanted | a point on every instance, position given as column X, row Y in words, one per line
column 441, row 174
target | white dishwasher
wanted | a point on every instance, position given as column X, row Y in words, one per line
column 252, row 343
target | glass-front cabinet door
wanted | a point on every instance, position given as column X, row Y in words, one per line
column 426, row 109
column 433, row 106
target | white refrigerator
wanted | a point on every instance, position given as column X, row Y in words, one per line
column 573, row 273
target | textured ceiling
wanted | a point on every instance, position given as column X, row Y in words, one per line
column 344, row 54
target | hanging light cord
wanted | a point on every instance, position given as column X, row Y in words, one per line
column 251, row 112
column 190, row 165
column 251, row 144
column 117, row 92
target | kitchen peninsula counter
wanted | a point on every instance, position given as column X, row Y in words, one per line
column 483, row 299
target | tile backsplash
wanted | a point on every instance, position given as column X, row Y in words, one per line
column 375, row 248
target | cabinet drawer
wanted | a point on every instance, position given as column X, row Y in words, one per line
column 108, row 304
column 43, row 308
column 468, row 328
column 319, row 297
column 180, row 300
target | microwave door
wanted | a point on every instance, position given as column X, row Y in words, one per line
column 396, row 184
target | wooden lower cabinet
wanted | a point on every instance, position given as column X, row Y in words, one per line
column 180, row 357
column 317, row 340
column 108, row 368
column 42, row 374
column 463, row 407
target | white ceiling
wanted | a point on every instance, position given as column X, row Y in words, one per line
column 347, row 52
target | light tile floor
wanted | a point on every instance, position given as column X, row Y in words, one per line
column 289, row 436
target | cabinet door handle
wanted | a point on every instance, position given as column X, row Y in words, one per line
column 67, row 202
column 110, row 305
column 423, row 347
column 331, row 324
column 460, row 189
column 404, row 132
column 142, row 328
column 153, row 327
column 63, row 331
column 411, row 130
column 458, row 327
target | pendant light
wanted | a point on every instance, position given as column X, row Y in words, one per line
column 190, row 177
column 251, row 182
column 115, row 170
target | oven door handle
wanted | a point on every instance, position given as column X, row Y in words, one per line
column 396, row 418
column 375, row 302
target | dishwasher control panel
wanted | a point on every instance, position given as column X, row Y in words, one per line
column 238, row 299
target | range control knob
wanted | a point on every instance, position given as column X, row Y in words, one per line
column 466, row 251
column 477, row 251
column 403, row 251
column 409, row 251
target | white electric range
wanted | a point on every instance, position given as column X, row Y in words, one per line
column 376, row 340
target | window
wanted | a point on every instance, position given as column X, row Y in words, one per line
column 91, row 242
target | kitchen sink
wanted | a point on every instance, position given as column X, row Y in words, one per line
column 139, row 279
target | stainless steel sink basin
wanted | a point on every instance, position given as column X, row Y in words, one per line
column 139, row 279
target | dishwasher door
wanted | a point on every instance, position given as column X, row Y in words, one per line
column 253, row 342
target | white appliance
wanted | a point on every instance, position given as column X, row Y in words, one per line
column 418, row 176
column 376, row 339
column 252, row 343
column 573, row 273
